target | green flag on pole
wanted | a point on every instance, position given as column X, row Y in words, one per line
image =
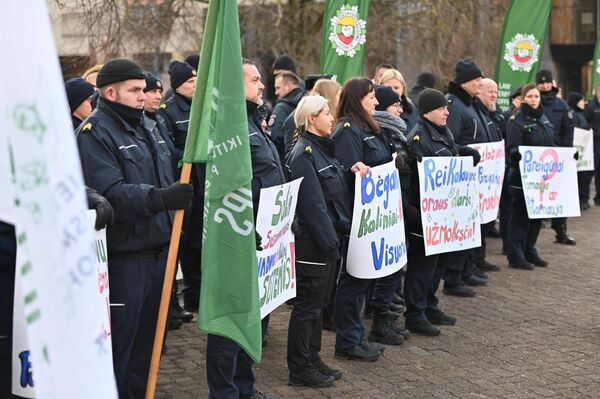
column 344, row 38
column 218, row 135
column 595, row 67
column 521, row 45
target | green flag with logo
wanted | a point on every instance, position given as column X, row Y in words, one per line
column 521, row 44
column 218, row 135
column 344, row 38
column 595, row 67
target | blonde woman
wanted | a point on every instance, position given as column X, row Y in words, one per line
column 394, row 79
column 322, row 217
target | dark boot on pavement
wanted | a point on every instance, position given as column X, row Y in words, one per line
column 382, row 331
column 423, row 327
column 460, row 291
column 360, row 353
column 310, row 377
column 326, row 370
column 440, row 318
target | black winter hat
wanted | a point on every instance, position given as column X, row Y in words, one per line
column 119, row 70
column 465, row 71
column 573, row 98
column 78, row 90
column 426, row 79
column 543, row 76
column 286, row 62
column 312, row 79
column 386, row 96
column 193, row 60
column 153, row 83
column 516, row 92
column 430, row 99
column 180, row 72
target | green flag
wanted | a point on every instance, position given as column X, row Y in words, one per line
column 521, row 45
column 344, row 38
column 595, row 67
column 218, row 135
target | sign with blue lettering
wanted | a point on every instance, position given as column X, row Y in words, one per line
column 276, row 268
column 377, row 241
column 449, row 190
column 549, row 178
column 490, row 173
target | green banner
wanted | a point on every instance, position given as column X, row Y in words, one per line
column 344, row 38
column 521, row 44
column 218, row 135
column 595, row 68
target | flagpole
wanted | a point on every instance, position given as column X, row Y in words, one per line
column 161, row 323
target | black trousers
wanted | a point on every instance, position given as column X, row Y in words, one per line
column 191, row 251
column 314, row 284
column 457, row 264
column 522, row 231
column 478, row 254
column 135, row 289
column 505, row 210
column 8, row 258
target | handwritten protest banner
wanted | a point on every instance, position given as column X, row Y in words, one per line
column 583, row 141
column 449, row 190
column 276, row 268
column 377, row 245
column 549, row 177
column 23, row 368
column 490, row 172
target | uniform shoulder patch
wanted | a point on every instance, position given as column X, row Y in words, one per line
column 87, row 127
column 347, row 124
column 416, row 137
column 308, row 149
column 163, row 106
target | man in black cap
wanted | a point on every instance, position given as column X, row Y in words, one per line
column 176, row 112
column 283, row 63
column 79, row 95
column 558, row 113
column 129, row 164
column 424, row 80
column 467, row 126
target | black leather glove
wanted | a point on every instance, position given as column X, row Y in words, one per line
column 400, row 164
column 104, row 211
column 176, row 196
column 515, row 157
column 576, row 156
column 258, row 241
column 470, row 152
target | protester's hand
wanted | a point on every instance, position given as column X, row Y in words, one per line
column 576, row 156
column 419, row 158
column 470, row 152
column 176, row 196
column 258, row 239
column 515, row 157
column 399, row 161
column 361, row 168
column 104, row 211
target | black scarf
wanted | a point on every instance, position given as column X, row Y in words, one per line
column 458, row 91
column 131, row 115
column 532, row 112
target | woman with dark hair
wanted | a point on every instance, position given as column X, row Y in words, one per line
column 357, row 138
column 528, row 126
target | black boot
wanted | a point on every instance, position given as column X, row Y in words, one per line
column 382, row 332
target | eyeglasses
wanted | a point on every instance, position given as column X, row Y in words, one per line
column 397, row 105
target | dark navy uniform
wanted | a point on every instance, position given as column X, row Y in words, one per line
column 174, row 116
column 281, row 111
column 352, row 145
column 583, row 178
column 8, row 260
column 423, row 273
column 323, row 217
column 529, row 129
column 592, row 115
column 229, row 368
column 125, row 164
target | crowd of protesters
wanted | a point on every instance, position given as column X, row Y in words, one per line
column 131, row 135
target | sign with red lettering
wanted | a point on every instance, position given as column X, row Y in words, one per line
column 276, row 269
column 449, row 189
column 490, row 174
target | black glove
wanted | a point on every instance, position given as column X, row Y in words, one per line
column 104, row 211
column 400, row 164
column 470, row 152
column 515, row 157
column 176, row 196
column 258, row 241
column 576, row 156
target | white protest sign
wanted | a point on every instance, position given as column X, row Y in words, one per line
column 276, row 268
column 57, row 267
column 377, row 245
column 583, row 141
column 449, row 191
column 490, row 172
column 549, row 178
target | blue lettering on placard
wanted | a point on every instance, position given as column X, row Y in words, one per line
column 26, row 373
column 435, row 178
column 370, row 188
column 386, row 254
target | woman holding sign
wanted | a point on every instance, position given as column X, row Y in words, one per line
column 322, row 218
column 357, row 138
column 528, row 126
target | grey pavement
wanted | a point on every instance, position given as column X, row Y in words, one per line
column 528, row 334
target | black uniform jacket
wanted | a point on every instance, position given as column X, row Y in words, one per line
column 464, row 121
column 176, row 113
column 124, row 164
column 526, row 129
column 281, row 111
column 560, row 116
column 323, row 212
column 266, row 168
